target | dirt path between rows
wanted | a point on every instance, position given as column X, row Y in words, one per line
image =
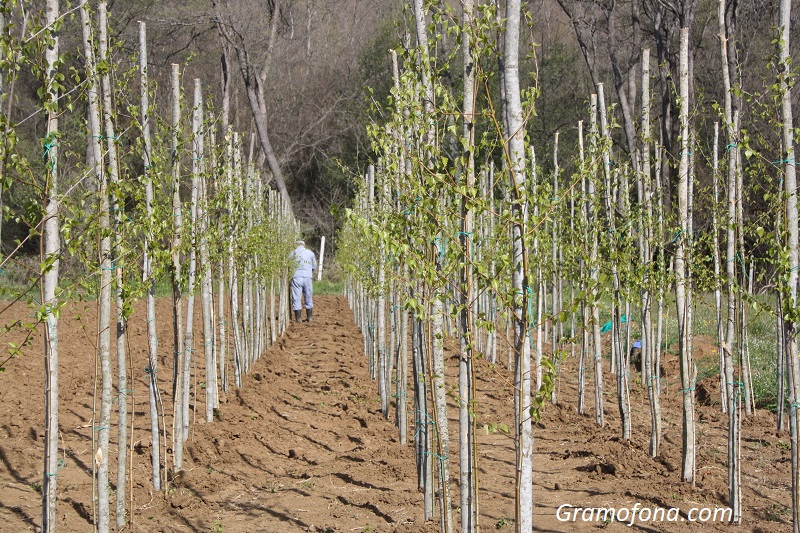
column 303, row 447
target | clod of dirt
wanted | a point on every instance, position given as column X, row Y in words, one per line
column 580, row 453
column 707, row 391
column 606, row 468
column 180, row 501
column 557, row 486
column 257, row 376
column 139, row 447
column 292, row 454
column 669, row 465
column 178, row 478
column 600, row 468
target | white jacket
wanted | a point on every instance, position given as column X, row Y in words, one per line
column 305, row 260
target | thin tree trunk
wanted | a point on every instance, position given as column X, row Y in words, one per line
column 4, row 145
column 734, row 479
column 617, row 357
column 662, row 271
column 557, row 324
column 188, row 341
column 422, row 437
column 437, row 297
column 584, row 208
column 117, row 267
column 380, row 315
column 206, row 294
column 718, row 270
column 402, row 375
column 177, row 306
column 224, row 187
column 681, row 286
column 232, row 183
column 594, row 276
column 102, row 426
column 782, row 363
column 790, row 180
column 147, row 274
column 225, row 80
column 222, row 352
column 536, row 323
column 50, row 258
column 273, row 326
column 645, row 231
column 522, row 355
column 402, row 315
column 467, row 445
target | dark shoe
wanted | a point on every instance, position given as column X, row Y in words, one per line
column 298, row 315
column 309, row 314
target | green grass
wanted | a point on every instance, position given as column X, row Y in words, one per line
column 325, row 287
column 762, row 331
column 17, row 278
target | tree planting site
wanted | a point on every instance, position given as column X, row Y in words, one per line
column 421, row 266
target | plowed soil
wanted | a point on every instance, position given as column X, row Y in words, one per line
column 303, row 446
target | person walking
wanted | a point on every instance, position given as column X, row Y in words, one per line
column 302, row 286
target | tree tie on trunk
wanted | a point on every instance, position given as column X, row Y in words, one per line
column 422, row 423
column 61, row 464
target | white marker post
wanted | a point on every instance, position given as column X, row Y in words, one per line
column 321, row 258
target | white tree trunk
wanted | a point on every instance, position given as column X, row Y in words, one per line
column 437, row 296
column 790, row 180
column 380, row 315
column 177, row 306
column 104, row 299
column 467, row 444
column 718, row 270
column 188, row 341
column 422, row 438
column 584, row 224
column 233, row 172
column 147, row 270
column 557, row 325
column 117, row 267
column 50, row 257
column 594, row 274
column 734, row 456
column 522, row 355
column 649, row 369
column 206, row 294
column 681, row 285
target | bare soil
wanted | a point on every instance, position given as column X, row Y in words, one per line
column 303, row 446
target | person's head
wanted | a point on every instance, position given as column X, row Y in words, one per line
column 300, row 242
